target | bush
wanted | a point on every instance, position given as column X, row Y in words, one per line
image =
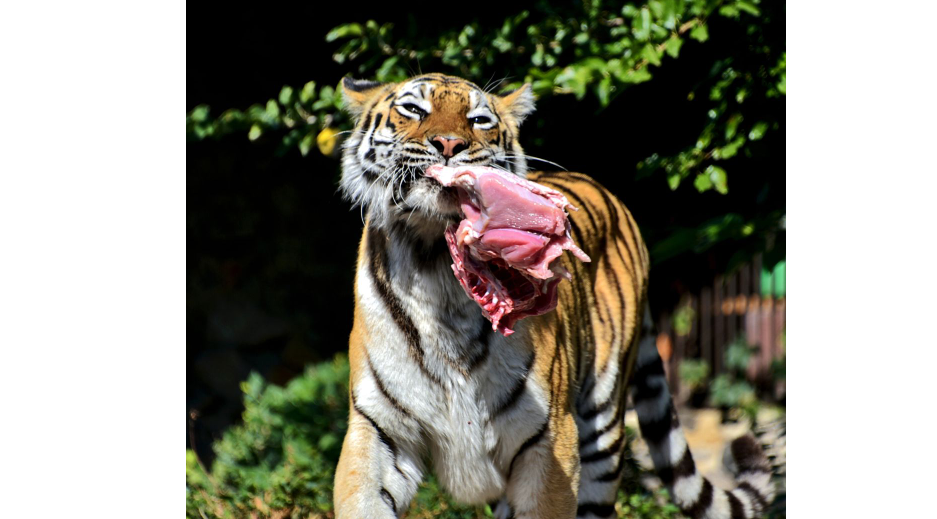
column 730, row 390
column 280, row 461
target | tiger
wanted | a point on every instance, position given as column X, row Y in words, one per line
column 531, row 424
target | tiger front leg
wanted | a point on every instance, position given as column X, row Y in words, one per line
column 376, row 477
column 543, row 478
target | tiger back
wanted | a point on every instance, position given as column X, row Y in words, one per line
column 532, row 423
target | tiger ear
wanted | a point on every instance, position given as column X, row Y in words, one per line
column 519, row 103
column 357, row 93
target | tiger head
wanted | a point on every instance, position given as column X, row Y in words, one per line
column 403, row 128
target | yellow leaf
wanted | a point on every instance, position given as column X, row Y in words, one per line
column 327, row 141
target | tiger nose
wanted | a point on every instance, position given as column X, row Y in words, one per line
column 448, row 146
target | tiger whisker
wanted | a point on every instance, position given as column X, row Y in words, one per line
column 531, row 157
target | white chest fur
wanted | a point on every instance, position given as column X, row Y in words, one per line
column 440, row 381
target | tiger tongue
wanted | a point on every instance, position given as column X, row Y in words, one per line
column 504, row 248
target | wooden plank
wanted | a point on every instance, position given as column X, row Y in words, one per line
column 719, row 329
column 692, row 340
column 706, row 325
column 732, row 324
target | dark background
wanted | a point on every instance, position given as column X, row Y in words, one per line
column 271, row 245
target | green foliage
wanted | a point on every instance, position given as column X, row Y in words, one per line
column 694, row 373
column 296, row 116
column 280, row 461
column 283, row 456
column 593, row 48
column 730, row 390
column 647, row 505
column 634, row 500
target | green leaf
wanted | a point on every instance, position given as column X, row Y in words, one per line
column 718, row 177
column 387, row 70
column 651, row 54
column 273, row 109
column 673, row 180
column 636, row 76
column 729, row 11
column 344, row 31
column 308, row 93
column 702, row 182
column 255, row 132
column 758, row 131
column 673, row 46
column 700, row 33
column 603, row 89
column 641, row 26
column 729, row 150
column 748, row 8
column 732, row 125
column 286, row 95
column 306, row 143
column 199, row 114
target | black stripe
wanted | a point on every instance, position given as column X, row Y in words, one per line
column 748, row 454
column 596, row 434
column 616, row 226
column 587, row 389
column 705, row 499
column 642, row 251
column 593, row 412
column 527, row 444
column 579, row 203
column 383, row 389
column 385, row 439
column 367, row 120
column 381, row 435
column 613, row 475
column 378, row 267
column 558, row 182
column 617, row 336
column 515, row 393
column 755, row 495
column 607, row 452
column 359, row 85
column 654, row 431
column 643, row 391
column 597, row 509
column 390, row 499
column 684, row 469
column 738, row 511
column 484, row 339
column 655, row 367
column 377, row 122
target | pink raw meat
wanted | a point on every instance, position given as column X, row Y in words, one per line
column 504, row 249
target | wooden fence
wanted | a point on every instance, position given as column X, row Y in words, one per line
column 706, row 323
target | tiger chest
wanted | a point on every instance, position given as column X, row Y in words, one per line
column 441, row 382
column 481, row 423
